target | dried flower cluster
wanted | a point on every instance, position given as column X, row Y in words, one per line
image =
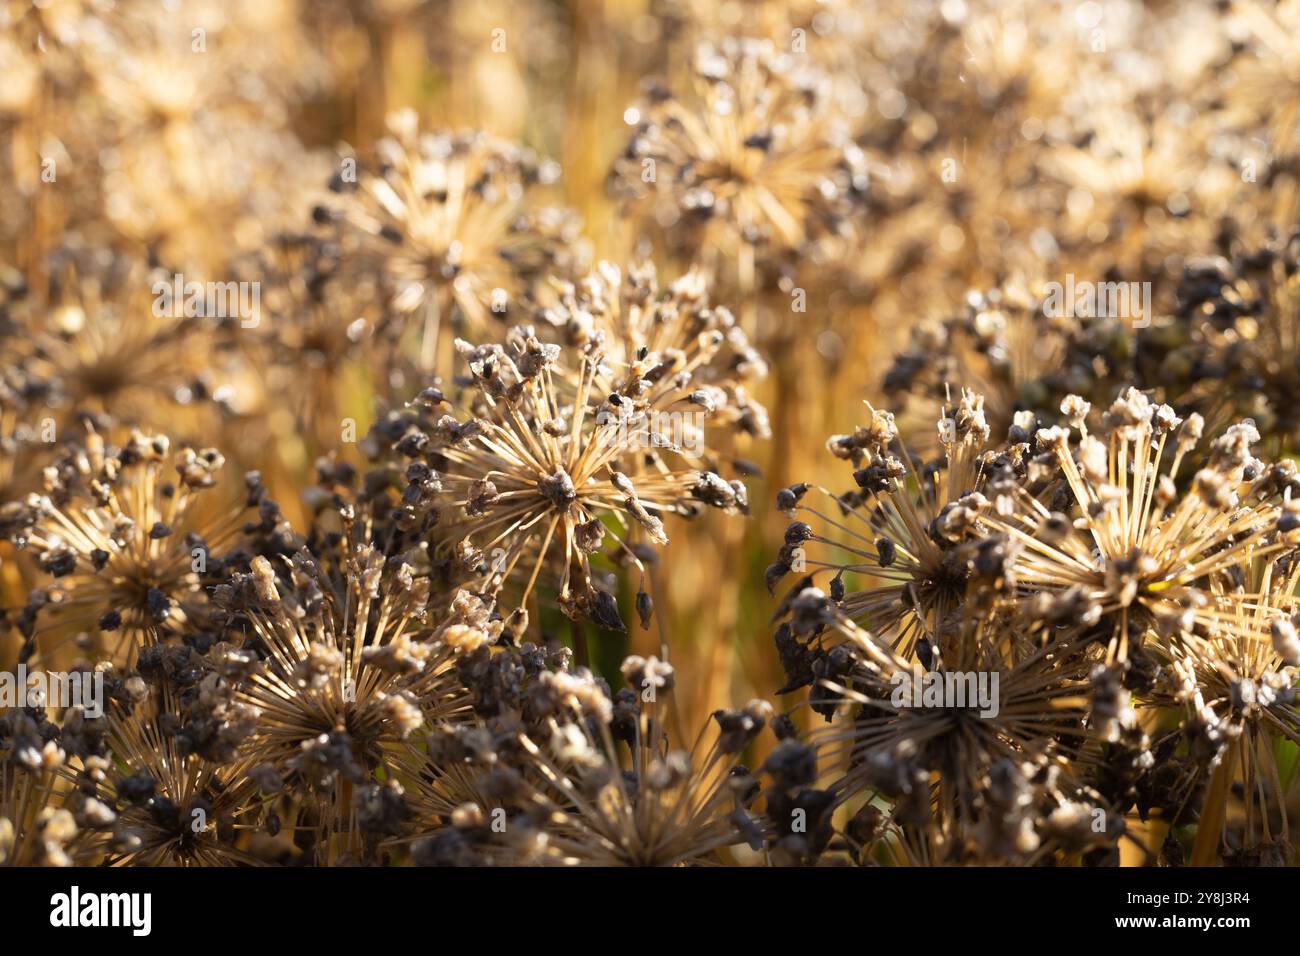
column 1058, row 589
column 386, row 388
